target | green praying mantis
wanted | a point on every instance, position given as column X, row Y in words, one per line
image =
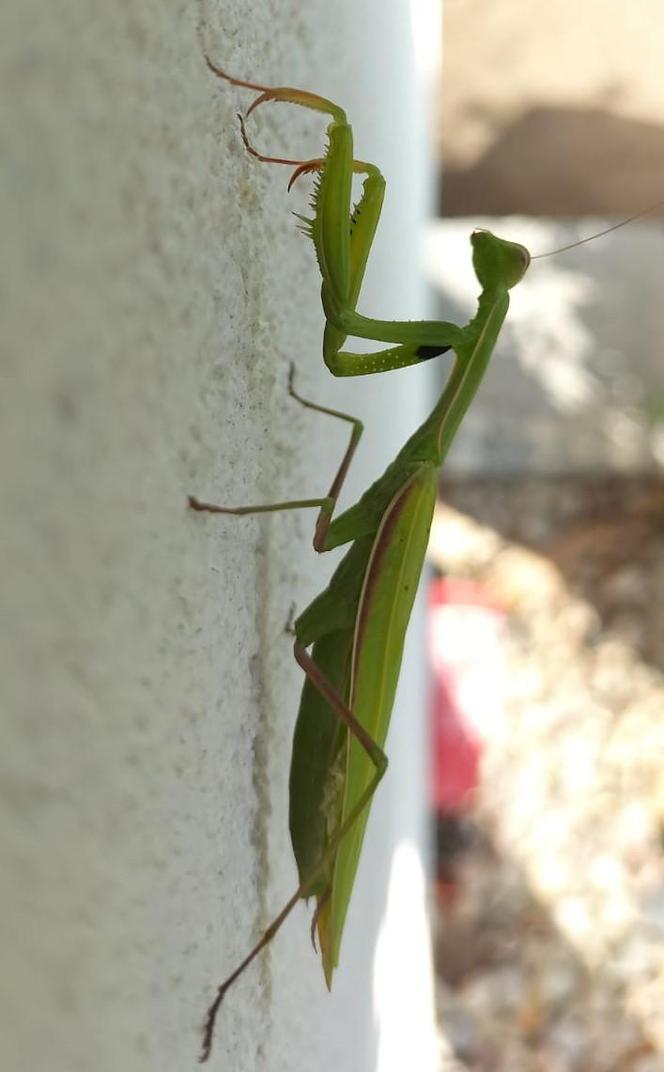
column 349, row 641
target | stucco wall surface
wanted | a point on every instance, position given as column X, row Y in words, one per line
column 153, row 289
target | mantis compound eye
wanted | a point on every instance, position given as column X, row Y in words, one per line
column 525, row 256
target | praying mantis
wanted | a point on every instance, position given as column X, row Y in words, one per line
column 349, row 641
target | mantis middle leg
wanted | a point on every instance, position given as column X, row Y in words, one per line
column 326, row 503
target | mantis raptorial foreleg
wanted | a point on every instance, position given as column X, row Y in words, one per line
column 343, row 236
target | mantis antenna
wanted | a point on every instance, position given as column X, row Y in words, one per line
column 607, row 230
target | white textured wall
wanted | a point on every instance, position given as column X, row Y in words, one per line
column 153, row 289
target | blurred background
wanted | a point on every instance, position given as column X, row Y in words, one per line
column 546, row 617
column 153, row 291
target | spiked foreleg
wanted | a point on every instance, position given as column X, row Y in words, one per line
column 344, row 363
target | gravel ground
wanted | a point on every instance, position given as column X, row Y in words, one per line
column 551, row 957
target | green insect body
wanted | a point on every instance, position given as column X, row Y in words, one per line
column 358, row 624
column 349, row 641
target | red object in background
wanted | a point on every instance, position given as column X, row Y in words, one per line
column 465, row 652
column 456, row 749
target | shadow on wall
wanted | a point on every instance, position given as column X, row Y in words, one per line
column 562, row 162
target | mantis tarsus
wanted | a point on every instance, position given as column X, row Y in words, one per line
column 355, row 628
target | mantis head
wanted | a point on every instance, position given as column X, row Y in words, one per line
column 497, row 262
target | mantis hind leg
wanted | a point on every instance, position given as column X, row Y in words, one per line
column 379, row 760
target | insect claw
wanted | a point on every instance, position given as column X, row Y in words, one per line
column 289, row 627
column 243, row 131
column 305, row 168
column 314, row 921
column 268, row 95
